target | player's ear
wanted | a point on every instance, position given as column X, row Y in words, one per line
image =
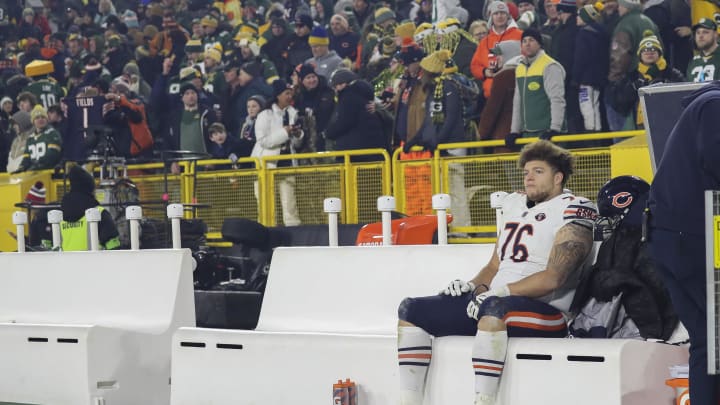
column 558, row 177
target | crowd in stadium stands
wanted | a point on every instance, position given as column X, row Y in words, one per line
column 246, row 78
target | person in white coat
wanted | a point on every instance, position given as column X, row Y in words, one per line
column 278, row 132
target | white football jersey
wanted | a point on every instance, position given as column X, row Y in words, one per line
column 528, row 235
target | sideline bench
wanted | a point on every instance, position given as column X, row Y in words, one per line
column 87, row 328
column 331, row 313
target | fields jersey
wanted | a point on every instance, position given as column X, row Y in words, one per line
column 528, row 235
column 82, row 112
column 48, row 92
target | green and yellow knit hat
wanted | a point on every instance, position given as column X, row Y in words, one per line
column 38, row 112
column 590, row 13
column 439, row 62
column 650, row 43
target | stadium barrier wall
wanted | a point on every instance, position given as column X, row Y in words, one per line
column 79, row 328
column 331, row 313
column 221, row 191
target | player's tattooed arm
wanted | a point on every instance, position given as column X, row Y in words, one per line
column 571, row 247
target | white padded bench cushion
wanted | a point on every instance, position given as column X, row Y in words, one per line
column 324, row 289
column 142, row 291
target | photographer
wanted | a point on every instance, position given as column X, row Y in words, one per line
column 125, row 114
column 277, row 132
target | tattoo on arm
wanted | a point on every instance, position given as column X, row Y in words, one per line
column 572, row 245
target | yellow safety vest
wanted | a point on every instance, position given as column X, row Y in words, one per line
column 75, row 235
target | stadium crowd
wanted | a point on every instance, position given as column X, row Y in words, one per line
column 259, row 78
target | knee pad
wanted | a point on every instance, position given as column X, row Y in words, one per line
column 405, row 309
column 493, row 306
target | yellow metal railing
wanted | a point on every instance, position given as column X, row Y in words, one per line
column 215, row 189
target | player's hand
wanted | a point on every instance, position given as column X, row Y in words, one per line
column 473, row 308
column 457, row 288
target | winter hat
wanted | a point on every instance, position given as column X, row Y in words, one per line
column 567, row 6
column 459, row 14
column 590, row 13
column 39, row 67
column 448, row 25
column 193, row 45
column 254, row 69
column 80, row 180
column 279, row 86
column 533, row 33
column 28, row 11
column 306, row 69
column 114, row 41
column 122, row 84
column 438, row 61
column 406, row 29
column 209, row 21
column 36, row 195
column 705, row 23
column 410, row 52
column 131, row 68
column 422, row 31
column 22, row 118
column 150, row 31
column 341, row 76
column 630, row 4
column 251, row 43
column 383, row 14
column 38, row 112
column 259, row 99
column 187, row 86
column 650, row 42
column 130, row 19
column 519, row 2
column 213, row 54
column 189, row 73
column 319, row 36
column 497, row 7
column 4, row 100
column 304, row 20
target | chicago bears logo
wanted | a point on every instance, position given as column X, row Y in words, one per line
column 541, row 216
column 622, row 199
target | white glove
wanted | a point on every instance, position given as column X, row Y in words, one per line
column 473, row 308
column 458, row 288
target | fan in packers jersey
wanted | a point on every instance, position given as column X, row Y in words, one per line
column 526, row 288
column 44, row 147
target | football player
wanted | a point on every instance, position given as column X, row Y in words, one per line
column 526, row 288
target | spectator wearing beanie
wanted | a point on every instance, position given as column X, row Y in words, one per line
column 250, row 83
column 563, row 50
column 410, row 99
column 74, row 227
column 214, row 79
column 299, row 50
column 223, row 146
column 352, row 126
column 316, row 101
column 40, row 231
column 541, row 112
column 255, row 105
column 277, row 132
column 44, row 147
column 592, row 57
column 343, row 41
column 276, row 46
column 188, row 125
column 502, row 28
column 629, row 31
column 248, row 50
column 324, row 60
column 21, row 128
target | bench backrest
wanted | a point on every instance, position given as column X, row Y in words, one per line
column 145, row 291
column 339, row 289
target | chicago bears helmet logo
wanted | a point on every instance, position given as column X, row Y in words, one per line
column 539, row 217
column 622, row 199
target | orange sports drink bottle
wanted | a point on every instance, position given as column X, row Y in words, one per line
column 352, row 392
column 340, row 394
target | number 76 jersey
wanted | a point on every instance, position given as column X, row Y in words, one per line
column 528, row 233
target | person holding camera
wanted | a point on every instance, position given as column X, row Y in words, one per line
column 279, row 132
